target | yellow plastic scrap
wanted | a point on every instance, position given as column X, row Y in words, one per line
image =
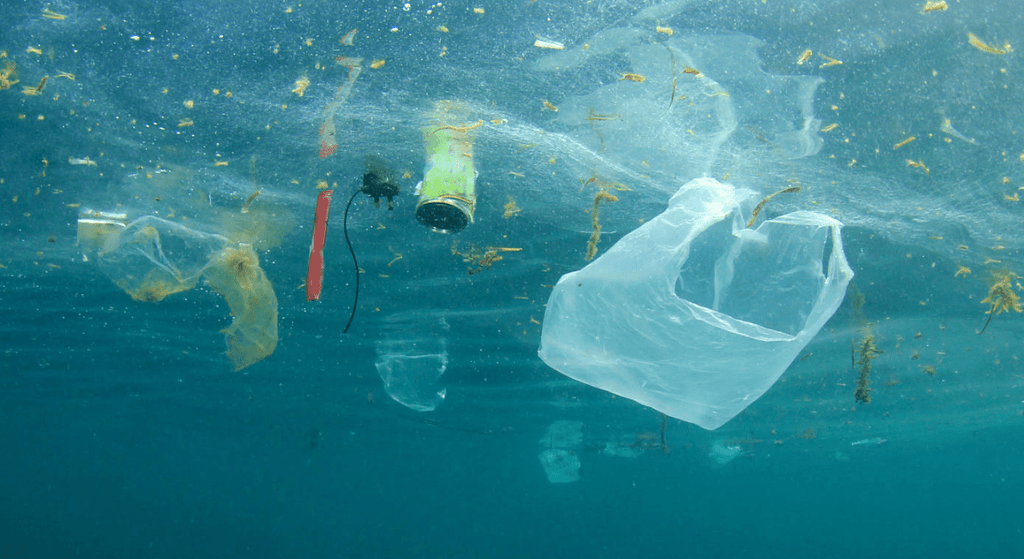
column 155, row 286
column 235, row 273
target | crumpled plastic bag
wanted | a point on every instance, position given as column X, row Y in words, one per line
column 152, row 258
column 693, row 313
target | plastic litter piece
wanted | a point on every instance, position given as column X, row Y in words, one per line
column 560, row 462
column 410, row 379
column 693, row 314
column 235, row 273
column 447, row 195
column 560, row 465
column 315, row 274
column 723, row 453
column 563, row 434
column 149, row 258
column 152, row 258
column 328, row 135
column 411, row 365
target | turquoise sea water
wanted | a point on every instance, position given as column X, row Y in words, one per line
column 125, row 431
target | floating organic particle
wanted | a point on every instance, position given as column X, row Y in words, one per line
column 6, row 74
column 511, row 208
column 932, row 6
column 918, row 165
column 760, row 206
column 632, row 77
column 315, row 273
column 983, row 46
column 50, row 14
column 545, row 44
column 829, row 61
column 666, row 30
column 592, row 116
column 1001, row 297
column 904, row 142
column 379, row 63
column 28, row 90
column 947, row 128
column 300, row 86
column 867, row 352
column 601, row 196
column 550, row 107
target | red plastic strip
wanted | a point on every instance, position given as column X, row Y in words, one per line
column 328, row 143
column 315, row 275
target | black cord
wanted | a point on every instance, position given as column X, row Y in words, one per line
column 355, row 263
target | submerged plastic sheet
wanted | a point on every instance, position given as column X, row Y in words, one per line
column 559, row 459
column 411, row 361
column 694, row 314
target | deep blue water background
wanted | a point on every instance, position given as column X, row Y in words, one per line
column 124, row 432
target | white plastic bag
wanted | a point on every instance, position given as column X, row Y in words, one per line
column 694, row 314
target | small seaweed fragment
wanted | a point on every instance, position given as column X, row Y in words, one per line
column 867, row 351
column 760, row 206
column 1001, row 297
column 511, row 209
column 601, row 196
column 934, row 6
column 985, row 47
column 29, row 90
column 300, row 86
column 50, row 14
column 480, row 259
column 7, row 74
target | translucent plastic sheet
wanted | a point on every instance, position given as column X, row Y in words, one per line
column 411, row 362
column 152, row 258
column 694, row 314
column 559, row 459
column 236, row 274
column 697, row 91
